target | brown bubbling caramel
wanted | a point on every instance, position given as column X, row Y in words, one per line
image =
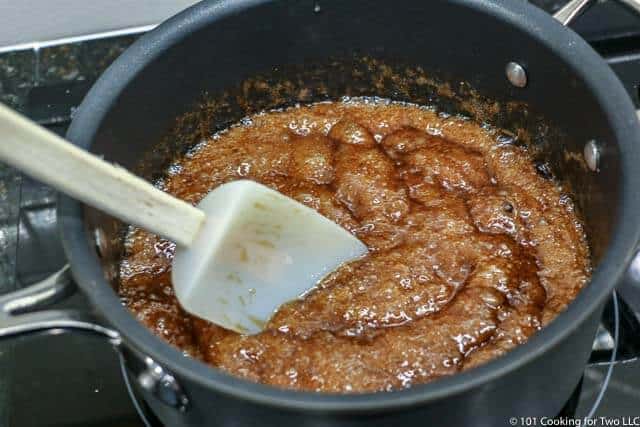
column 471, row 250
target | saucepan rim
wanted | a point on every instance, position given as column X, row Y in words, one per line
column 90, row 277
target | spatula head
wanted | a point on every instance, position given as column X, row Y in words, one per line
column 256, row 250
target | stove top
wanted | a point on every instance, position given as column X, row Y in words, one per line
column 72, row 379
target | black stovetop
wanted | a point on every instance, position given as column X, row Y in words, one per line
column 68, row 380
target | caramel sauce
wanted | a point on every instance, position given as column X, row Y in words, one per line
column 471, row 249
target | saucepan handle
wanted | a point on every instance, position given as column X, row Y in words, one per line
column 575, row 8
column 21, row 311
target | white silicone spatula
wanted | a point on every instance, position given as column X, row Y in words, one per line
column 241, row 253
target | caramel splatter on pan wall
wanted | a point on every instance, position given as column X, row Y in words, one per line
column 389, row 78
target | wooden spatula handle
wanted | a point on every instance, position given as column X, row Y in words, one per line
column 50, row 159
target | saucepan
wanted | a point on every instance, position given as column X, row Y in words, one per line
column 500, row 61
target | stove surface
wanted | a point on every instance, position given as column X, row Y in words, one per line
column 75, row 380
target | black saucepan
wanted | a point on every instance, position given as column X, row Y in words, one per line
column 222, row 60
